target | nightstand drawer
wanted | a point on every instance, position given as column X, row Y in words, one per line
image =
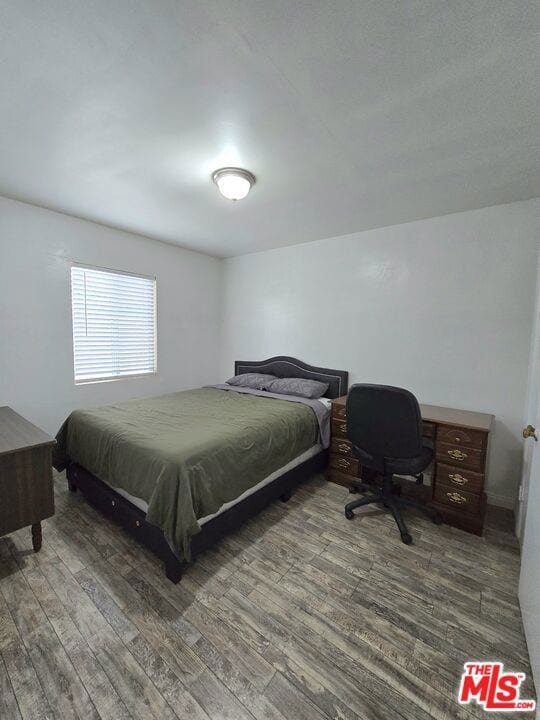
column 339, row 428
column 459, row 478
column 339, row 411
column 341, row 447
column 346, row 465
column 460, row 456
column 460, row 436
column 457, row 499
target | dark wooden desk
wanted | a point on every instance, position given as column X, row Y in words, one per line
column 460, row 440
column 26, row 486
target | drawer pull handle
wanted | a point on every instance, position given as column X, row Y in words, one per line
column 458, row 479
column 457, row 455
column 343, row 463
column 456, row 498
column 343, row 448
column 343, row 427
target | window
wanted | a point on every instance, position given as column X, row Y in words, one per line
column 114, row 324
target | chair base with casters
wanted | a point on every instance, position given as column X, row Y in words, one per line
column 390, row 496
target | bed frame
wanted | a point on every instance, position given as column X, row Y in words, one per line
column 132, row 519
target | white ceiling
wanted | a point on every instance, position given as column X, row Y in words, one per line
column 352, row 114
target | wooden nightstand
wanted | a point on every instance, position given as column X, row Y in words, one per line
column 460, row 474
column 343, row 467
column 26, row 485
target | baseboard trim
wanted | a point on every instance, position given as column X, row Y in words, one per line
column 501, row 501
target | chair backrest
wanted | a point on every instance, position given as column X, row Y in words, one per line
column 384, row 421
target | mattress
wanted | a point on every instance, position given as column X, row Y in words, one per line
column 142, row 505
column 188, row 454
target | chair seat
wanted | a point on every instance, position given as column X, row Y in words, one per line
column 397, row 466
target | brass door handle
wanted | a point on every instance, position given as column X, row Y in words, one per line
column 456, row 498
column 530, row 431
column 457, row 455
column 458, row 479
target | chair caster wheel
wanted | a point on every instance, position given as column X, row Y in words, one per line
column 437, row 519
column 406, row 538
column 349, row 514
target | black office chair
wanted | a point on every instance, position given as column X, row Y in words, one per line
column 385, row 427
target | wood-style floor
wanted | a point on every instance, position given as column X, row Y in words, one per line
column 300, row 615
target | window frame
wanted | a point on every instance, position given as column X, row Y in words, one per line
column 112, row 378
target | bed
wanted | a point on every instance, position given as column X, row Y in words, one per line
column 181, row 470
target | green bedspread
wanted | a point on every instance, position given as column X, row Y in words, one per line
column 188, row 453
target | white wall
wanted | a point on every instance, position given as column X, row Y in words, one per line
column 441, row 306
column 36, row 363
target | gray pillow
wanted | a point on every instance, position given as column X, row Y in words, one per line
column 255, row 381
column 297, row 386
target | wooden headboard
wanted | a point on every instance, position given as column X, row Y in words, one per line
column 283, row 366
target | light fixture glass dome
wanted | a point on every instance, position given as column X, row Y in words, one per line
column 233, row 183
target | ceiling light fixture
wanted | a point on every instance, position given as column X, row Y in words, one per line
column 233, row 183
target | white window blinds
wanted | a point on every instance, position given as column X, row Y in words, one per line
column 114, row 324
